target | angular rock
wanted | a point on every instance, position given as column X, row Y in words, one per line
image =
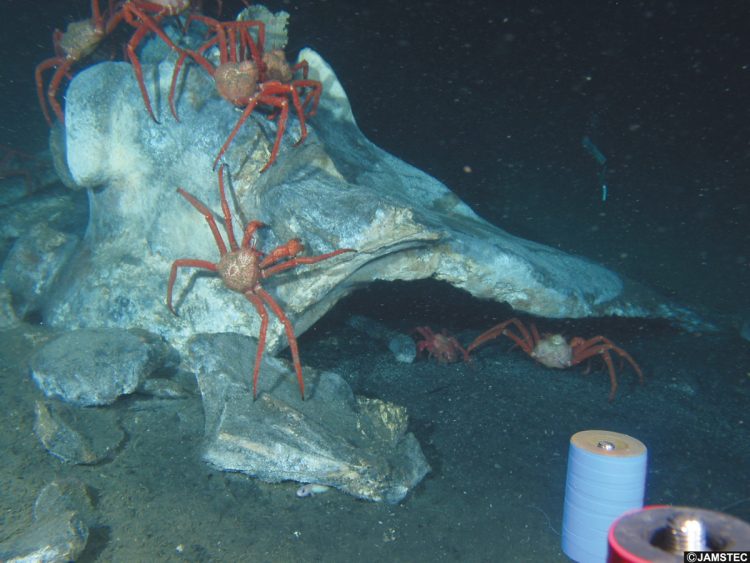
column 8, row 317
column 360, row 446
column 62, row 512
column 65, row 495
column 63, row 212
column 33, row 263
column 23, row 176
column 403, row 347
column 163, row 388
column 336, row 189
column 57, row 538
column 81, row 437
column 96, row 366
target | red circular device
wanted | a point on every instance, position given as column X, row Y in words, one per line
column 661, row 534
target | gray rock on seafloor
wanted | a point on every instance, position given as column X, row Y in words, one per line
column 66, row 212
column 63, row 495
column 334, row 190
column 8, row 317
column 24, row 176
column 360, row 446
column 33, row 264
column 402, row 346
column 96, row 366
column 62, row 514
column 78, row 436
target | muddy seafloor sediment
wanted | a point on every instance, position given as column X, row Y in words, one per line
column 495, row 432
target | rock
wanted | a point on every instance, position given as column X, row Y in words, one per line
column 81, row 437
column 8, row 317
column 33, row 263
column 59, row 532
column 67, row 213
column 336, row 189
column 96, row 366
column 163, row 388
column 403, row 347
column 65, row 495
column 360, row 446
column 57, row 538
column 23, row 175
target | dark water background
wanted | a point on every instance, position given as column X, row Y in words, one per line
column 494, row 99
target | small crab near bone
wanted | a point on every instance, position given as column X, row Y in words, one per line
column 440, row 345
column 554, row 351
column 82, row 38
column 248, row 77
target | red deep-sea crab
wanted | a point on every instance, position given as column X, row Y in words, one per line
column 248, row 77
column 81, row 39
column 440, row 345
column 243, row 267
column 554, row 351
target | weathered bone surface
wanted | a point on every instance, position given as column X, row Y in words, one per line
column 334, row 190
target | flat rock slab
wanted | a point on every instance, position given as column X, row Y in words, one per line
column 334, row 190
column 96, row 366
column 358, row 445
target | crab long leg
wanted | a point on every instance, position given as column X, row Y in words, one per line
column 143, row 23
column 209, row 219
column 291, row 249
column 245, row 114
column 39, row 79
column 599, row 345
column 227, row 211
column 198, row 57
column 291, row 338
column 250, row 229
column 524, row 341
column 263, row 314
column 612, row 376
column 185, row 263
